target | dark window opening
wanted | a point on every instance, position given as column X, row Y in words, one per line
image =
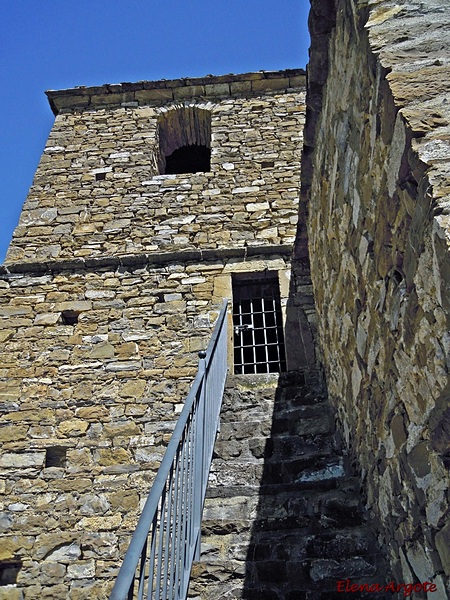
column 267, row 164
column 55, row 457
column 69, row 317
column 100, row 176
column 189, row 159
column 9, row 571
column 258, row 325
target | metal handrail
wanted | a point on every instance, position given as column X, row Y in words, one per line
column 166, row 540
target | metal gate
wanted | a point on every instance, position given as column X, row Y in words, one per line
column 258, row 325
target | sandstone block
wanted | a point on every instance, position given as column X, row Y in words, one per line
column 47, row 318
column 189, row 91
column 133, row 388
column 79, row 457
column 145, row 96
column 10, row 433
column 11, row 592
column 124, row 428
column 72, row 427
column 84, row 228
column 6, row 334
column 218, row 89
column 9, row 390
column 124, row 501
column 93, row 413
column 239, row 87
column 270, row 84
column 52, row 572
column 100, row 523
column 11, row 546
column 127, row 350
column 113, row 456
column 77, row 306
column 102, row 350
column 11, row 311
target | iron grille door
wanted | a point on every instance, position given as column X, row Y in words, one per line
column 258, row 326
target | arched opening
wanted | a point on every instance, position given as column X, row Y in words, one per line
column 185, row 140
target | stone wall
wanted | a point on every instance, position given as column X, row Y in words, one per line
column 88, row 408
column 376, row 187
column 98, row 190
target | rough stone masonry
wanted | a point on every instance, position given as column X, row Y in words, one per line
column 376, row 187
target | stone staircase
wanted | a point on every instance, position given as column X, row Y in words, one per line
column 282, row 518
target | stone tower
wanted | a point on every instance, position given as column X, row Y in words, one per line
column 152, row 202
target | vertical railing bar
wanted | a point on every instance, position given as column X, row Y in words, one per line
column 143, row 565
column 277, row 329
column 264, row 320
column 174, row 587
column 162, row 529
column 241, row 335
column 252, row 334
column 199, row 450
column 179, row 482
column 184, row 499
column 193, row 482
column 179, row 550
column 151, row 573
column 169, row 528
column 192, row 486
column 278, row 325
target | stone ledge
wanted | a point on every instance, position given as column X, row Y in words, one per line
column 140, row 260
column 163, row 91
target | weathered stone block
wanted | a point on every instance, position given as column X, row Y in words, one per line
column 270, row 84
column 152, row 96
column 72, row 427
column 10, row 433
column 189, row 91
column 24, row 459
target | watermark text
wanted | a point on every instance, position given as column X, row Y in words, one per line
column 346, row 585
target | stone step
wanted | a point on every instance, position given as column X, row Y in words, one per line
column 308, row 472
column 262, row 403
column 347, row 485
column 302, row 421
column 296, row 544
column 311, row 512
column 275, row 448
column 242, row 391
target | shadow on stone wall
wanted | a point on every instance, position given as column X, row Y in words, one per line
column 300, row 329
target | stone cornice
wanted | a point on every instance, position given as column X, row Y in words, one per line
column 135, row 261
column 154, row 93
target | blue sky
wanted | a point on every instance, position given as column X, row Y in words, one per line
column 56, row 45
